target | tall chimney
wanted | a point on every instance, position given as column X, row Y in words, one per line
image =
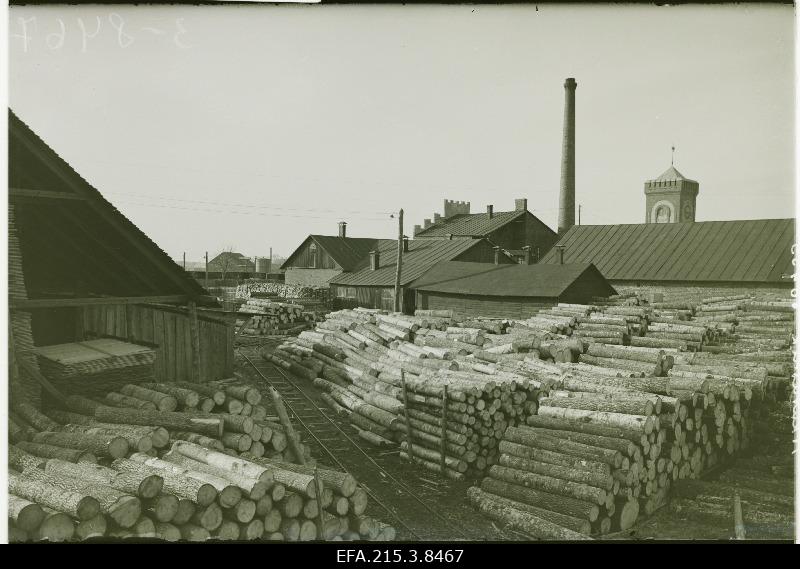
column 496, row 255
column 521, row 204
column 490, row 211
column 374, row 260
column 527, row 250
column 342, row 229
column 566, row 199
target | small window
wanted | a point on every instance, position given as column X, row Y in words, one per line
column 312, row 256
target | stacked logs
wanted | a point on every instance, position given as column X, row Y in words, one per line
column 430, row 384
column 755, row 498
column 266, row 316
column 281, row 290
column 157, row 472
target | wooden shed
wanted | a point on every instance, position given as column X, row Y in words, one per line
column 79, row 269
column 506, row 291
column 371, row 284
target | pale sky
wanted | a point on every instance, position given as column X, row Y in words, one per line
column 253, row 126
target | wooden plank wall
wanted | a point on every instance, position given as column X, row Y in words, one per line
column 492, row 307
column 166, row 329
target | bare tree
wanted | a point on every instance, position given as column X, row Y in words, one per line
column 226, row 261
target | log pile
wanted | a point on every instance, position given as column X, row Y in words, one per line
column 279, row 290
column 684, row 410
column 758, row 489
column 444, row 391
column 268, row 317
column 150, row 463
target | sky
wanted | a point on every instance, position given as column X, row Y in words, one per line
column 250, row 127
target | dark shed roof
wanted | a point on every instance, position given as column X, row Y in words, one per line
column 345, row 251
column 421, row 256
column 543, row 281
column 755, row 251
column 73, row 241
column 471, row 224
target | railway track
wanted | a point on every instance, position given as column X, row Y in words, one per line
column 420, row 505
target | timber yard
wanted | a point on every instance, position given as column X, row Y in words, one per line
column 486, row 378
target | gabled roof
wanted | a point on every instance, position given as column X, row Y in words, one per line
column 471, row 224
column 421, row 256
column 754, row 251
column 72, row 239
column 345, row 251
column 547, row 281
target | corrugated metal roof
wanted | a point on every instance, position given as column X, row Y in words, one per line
column 485, row 279
column 757, row 250
column 421, row 256
column 472, row 224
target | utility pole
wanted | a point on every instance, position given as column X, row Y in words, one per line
column 397, row 303
column 184, row 260
column 206, row 269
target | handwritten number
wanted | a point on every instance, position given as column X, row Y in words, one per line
column 117, row 22
column 86, row 37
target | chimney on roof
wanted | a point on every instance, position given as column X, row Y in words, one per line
column 521, row 204
column 560, row 254
column 436, row 218
column 426, row 223
column 405, row 243
column 374, row 260
column 490, row 211
column 449, row 236
column 417, row 229
column 566, row 199
column 527, row 258
column 342, row 229
column 496, row 255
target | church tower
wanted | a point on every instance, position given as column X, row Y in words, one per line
column 670, row 198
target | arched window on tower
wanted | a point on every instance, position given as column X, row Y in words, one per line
column 663, row 214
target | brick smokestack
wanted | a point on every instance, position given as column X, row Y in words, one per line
column 566, row 199
column 342, row 229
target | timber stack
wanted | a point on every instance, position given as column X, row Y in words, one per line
column 279, row 290
column 149, row 462
column 267, row 317
column 443, row 390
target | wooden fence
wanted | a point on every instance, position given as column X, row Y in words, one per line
column 167, row 329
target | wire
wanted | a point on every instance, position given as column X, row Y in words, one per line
column 249, row 205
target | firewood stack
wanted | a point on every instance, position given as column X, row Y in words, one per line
column 263, row 316
column 155, row 465
column 463, row 382
column 281, row 290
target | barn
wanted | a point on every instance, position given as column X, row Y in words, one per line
column 371, row 284
column 80, row 270
column 319, row 258
column 731, row 257
column 507, row 291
